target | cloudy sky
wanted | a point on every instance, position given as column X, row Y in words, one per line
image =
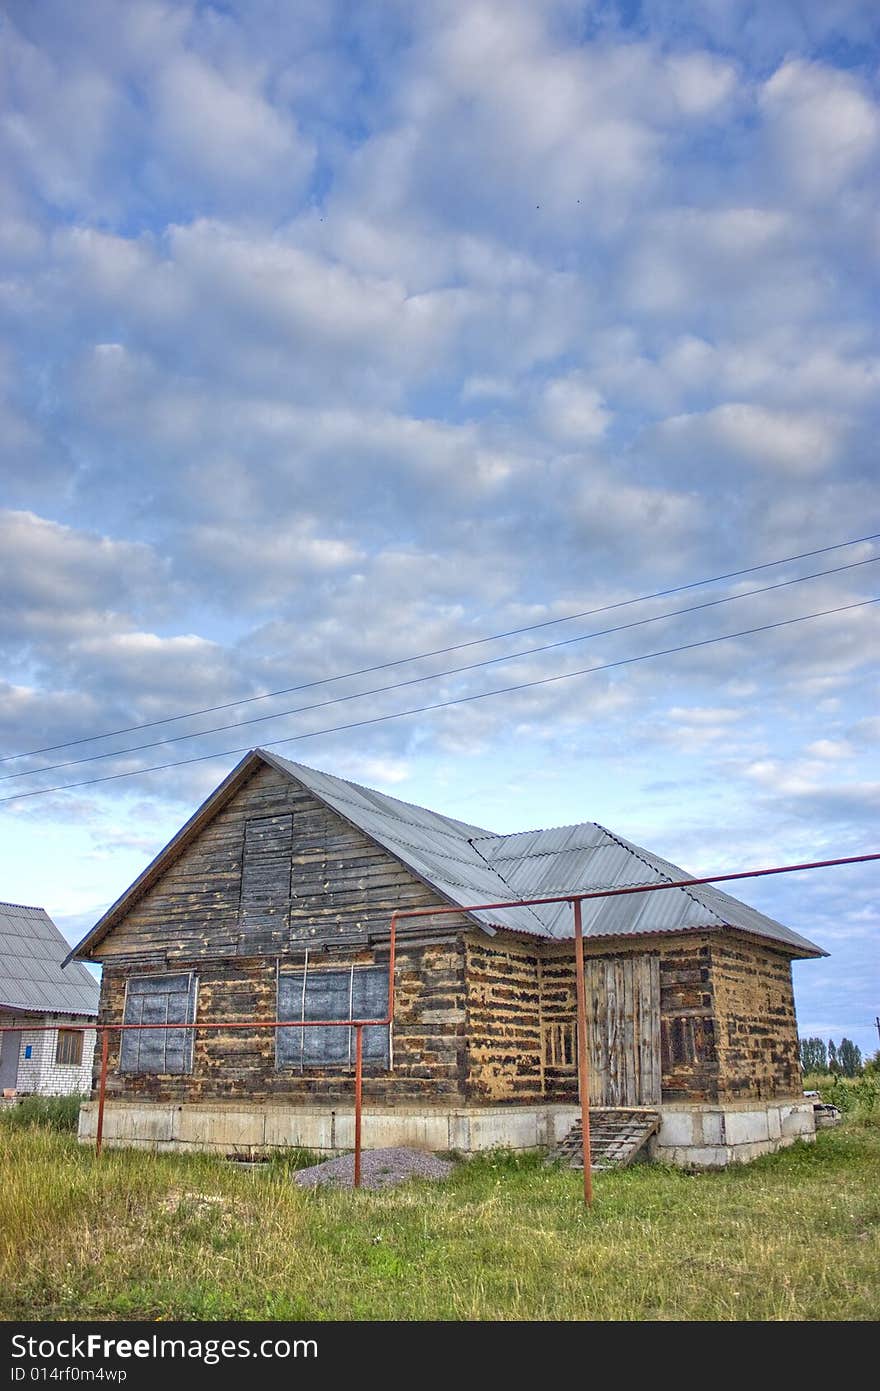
column 332, row 334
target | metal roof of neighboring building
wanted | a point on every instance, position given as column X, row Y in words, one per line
column 31, row 974
column 469, row 864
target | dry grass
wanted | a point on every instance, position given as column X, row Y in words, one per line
column 793, row 1236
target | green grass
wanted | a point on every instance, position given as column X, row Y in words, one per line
column 795, row 1235
column 56, row 1112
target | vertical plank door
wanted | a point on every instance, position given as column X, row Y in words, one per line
column 623, row 1005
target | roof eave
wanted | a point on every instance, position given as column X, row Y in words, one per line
column 47, row 1009
column 807, row 951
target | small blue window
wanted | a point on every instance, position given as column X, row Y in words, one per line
column 28, row 1050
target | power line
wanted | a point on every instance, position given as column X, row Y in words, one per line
column 446, row 704
column 437, row 675
column 441, row 651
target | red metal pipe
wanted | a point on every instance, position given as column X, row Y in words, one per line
column 102, row 1089
column 633, row 888
column 459, row 908
column 358, row 1080
column 583, row 1052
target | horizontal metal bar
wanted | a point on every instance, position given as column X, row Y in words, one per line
column 632, row 888
column 459, row 908
column 207, row 1024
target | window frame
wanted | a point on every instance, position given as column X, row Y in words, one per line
column 303, row 1064
column 192, row 994
column 63, row 1039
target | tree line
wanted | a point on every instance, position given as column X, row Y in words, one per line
column 844, row 1059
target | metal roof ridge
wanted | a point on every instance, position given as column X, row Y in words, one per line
column 540, row 831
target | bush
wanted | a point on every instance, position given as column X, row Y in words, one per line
column 859, row 1098
column 872, row 1066
column 52, row 1112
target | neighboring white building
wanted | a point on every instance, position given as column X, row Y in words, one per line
column 36, row 989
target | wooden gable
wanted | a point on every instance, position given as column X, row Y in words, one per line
column 274, row 871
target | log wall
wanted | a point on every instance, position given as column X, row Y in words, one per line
column 274, row 874
column 755, row 1020
column 428, row 1042
column 522, row 1011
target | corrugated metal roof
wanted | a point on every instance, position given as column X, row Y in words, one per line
column 468, row 864
column 437, row 848
column 31, row 975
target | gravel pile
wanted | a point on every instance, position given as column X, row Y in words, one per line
column 379, row 1169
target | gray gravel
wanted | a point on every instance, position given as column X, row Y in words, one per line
column 379, row 1169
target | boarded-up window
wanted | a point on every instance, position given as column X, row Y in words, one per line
column 265, row 871
column 357, row 992
column 687, row 1040
column 69, row 1048
column 158, row 1000
column 560, row 1049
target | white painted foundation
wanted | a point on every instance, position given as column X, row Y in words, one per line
column 692, row 1136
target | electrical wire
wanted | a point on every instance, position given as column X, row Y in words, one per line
column 437, row 675
column 441, row 651
column 446, row 704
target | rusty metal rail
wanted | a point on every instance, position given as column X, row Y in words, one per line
column 575, row 899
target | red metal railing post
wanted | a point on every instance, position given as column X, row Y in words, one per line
column 358, row 1081
column 102, row 1089
column 583, row 1051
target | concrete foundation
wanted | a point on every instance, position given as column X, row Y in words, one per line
column 690, row 1135
column 715, row 1134
column 233, row 1128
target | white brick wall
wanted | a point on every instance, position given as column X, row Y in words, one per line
column 40, row 1073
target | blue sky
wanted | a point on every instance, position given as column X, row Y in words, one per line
column 332, row 334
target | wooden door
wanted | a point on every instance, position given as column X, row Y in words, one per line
column 623, row 1009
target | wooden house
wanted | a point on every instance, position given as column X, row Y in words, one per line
column 37, row 990
column 274, row 902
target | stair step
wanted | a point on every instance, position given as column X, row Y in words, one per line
column 616, row 1136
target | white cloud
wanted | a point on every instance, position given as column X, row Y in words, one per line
column 574, row 410
column 830, row 749
column 58, row 581
column 821, row 125
column 717, row 715
column 700, row 82
column 797, row 444
column 224, row 134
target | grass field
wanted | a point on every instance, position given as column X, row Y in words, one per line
column 795, row 1235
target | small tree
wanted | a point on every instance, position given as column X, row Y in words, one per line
column 833, row 1064
column 849, row 1058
